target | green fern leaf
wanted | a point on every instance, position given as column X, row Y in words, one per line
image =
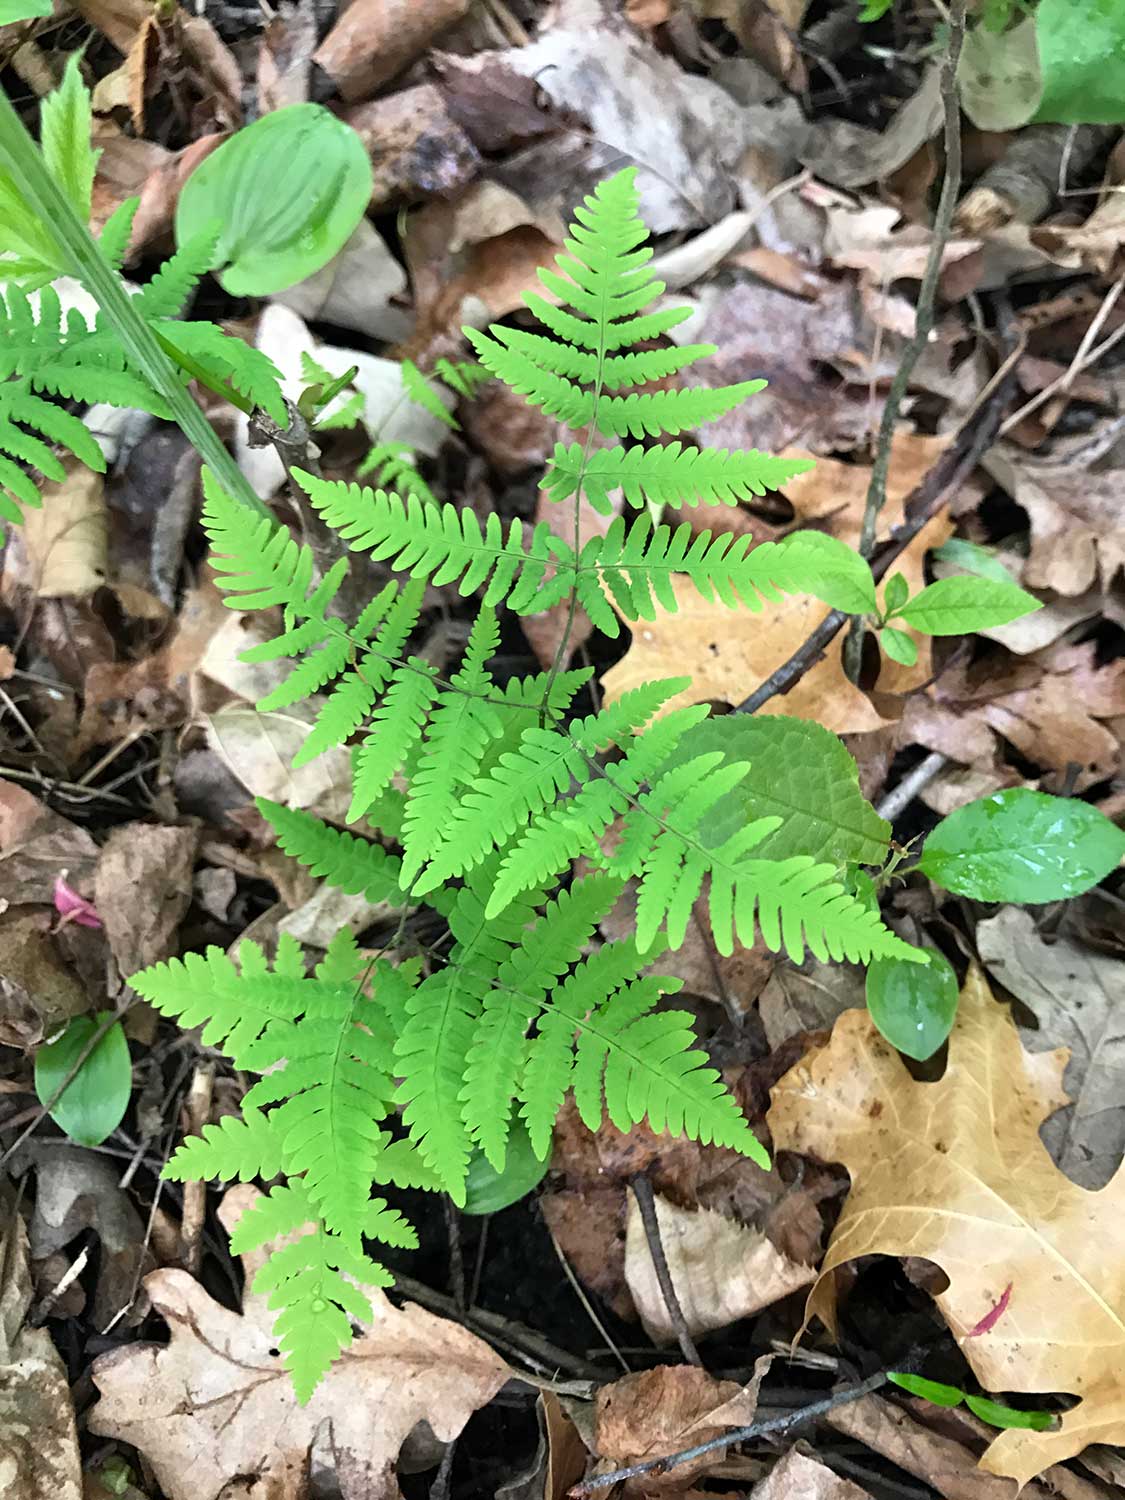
column 674, row 474
column 351, row 864
column 170, row 290
column 117, row 232
column 259, row 563
column 394, row 468
column 418, row 388
column 615, row 372
column 227, row 361
column 66, row 124
column 234, row 1149
column 396, row 727
column 495, row 1059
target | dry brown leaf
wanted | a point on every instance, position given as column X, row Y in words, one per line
column 37, row 845
column 1077, row 995
column 1077, row 537
column 39, row 1457
column 955, row 1172
column 214, row 1405
column 67, row 537
column 373, row 40
column 721, row 1270
column 38, row 992
column 142, row 890
column 808, row 997
column 800, row 1476
column 662, row 1410
column 416, row 147
column 729, row 654
column 851, row 155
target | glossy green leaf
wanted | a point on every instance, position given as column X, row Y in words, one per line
column 929, row 1390
column 992, row 1412
column 1008, row 1416
column 913, row 1005
column 1021, row 845
column 95, row 1101
column 896, row 593
column 899, row 646
column 487, row 1191
column 288, row 191
column 800, row 772
column 972, row 558
column 1082, row 59
column 956, row 606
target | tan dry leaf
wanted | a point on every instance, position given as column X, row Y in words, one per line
column 214, row 1405
column 1078, row 997
column 800, row 1476
column 721, row 1270
column 39, row 1457
column 373, row 40
column 955, row 1172
column 67, row 538
column 662, row 1410
column 142, row 890
column 417, row 148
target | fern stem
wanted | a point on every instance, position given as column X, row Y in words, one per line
column 21, row 157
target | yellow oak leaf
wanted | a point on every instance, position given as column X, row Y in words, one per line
column 955, row 1172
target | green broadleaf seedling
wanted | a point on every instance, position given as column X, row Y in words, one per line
column 958, row 606
column 488, row 1191
column 93, row 1104
column 1021, row 845
column 898, row 645
column 913, row 1005
column 286, row 192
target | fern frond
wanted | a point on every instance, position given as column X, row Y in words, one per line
column 461, row 728
column 616, row 372
column 350, row 864
column 463, row 376
column 495, row 1059
column 117, row 231
column 394, row 468
column 419, row 389
column 260, row 564
column 443, row 544
column 641, row 1063
column 651, row 414
column 235, row 1009
column 234, row 1149
column 675, row 474
column 548, row 1072
column 396, row 728
column 311, row 1282
column 170, row 290
column 226, row 361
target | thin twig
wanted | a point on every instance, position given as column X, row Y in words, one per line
column 924, row 311
column 588, row 1306
column 916, row 780
column 766, row 1428
column 1083, row 359
column 950, row 471
column 194, row 1211
column 646, row 1202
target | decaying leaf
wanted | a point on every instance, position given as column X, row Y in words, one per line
column 955, row 1172
column 215, row 1405
column 800, row 1476
column 67, row 538
column 722, row 1271
column 1078, row 998
column 373, row 40
column 38, row 991
column 142, row 890
column 662, row 1410
column 39, row 1457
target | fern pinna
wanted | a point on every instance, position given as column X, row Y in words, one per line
column 491, row 792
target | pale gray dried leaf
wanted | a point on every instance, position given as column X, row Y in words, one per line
column 852, row 155
column 320, row 918
column 355, row 289
column 722, row 1270
column 39, row 1457
column 808, row 997
column 800, row 1476
column 142, row 890
column 1078, row 997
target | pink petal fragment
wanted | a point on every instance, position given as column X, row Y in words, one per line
column 74, row 908
column 993, row 1316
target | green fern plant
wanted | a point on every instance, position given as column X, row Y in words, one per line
column 476, row 797
column 46, row 357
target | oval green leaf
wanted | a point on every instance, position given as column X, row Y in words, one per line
column 899, row 646
column 1021, row 845
column 955, row 606
column 487, row 1191
column 913, row 1005
column 95, row 1100
column 1008, row 1416
column 1082, row 58
column 287, row 192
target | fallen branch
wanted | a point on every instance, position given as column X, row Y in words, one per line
column 766, row 1428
